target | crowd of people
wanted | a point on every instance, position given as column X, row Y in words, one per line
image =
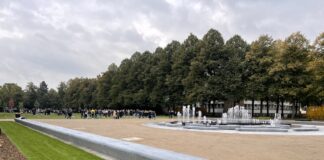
column 98, row 113
column 117, row 114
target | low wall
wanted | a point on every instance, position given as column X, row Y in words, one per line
column 110, row 147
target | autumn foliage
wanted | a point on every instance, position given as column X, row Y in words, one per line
column 315, row 112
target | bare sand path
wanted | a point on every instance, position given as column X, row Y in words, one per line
column 216, row 146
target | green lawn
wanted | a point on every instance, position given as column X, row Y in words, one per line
column 37, row 116
column 37, row 146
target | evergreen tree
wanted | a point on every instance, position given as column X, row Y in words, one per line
column 235, row 50
column 289, row 72
column 61, row 91
column 180, row 69
column 42, row 95
column 204, row 80
column 30, row 95
column 257, row 64
column 105, row 82
column 316, row 67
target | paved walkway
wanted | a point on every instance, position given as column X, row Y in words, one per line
column 6, row 120
column 320, row 123
column 207, row 145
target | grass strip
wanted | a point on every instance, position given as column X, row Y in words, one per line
column 36, row 146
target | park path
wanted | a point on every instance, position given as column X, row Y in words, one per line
column 6, row 120
column 207, row 145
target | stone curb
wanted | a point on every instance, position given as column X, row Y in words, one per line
column 110, row 147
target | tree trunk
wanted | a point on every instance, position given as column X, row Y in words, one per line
column 213, row 109
column 296, row 108
column 277, row 109
column 252, row 107
column 282, row 108
column 267, row 107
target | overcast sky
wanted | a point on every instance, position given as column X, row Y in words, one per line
column 55, row 40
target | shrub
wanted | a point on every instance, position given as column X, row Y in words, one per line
column 315, row 112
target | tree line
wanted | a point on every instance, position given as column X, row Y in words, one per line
column 196, row 72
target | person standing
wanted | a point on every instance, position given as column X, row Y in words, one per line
column 69, row 113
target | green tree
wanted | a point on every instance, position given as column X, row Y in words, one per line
column 180, row 69
column 204, row 80
column 81, row 93
column 257, row 64
column 30, row 95
column 61, row 91
column 160, row 95
column 232, row 73
column 2, row 103
column 42, row 95
column 105, row 83
column 12, row 93
column 289, row 70
column 316, row 67
column 53, row 99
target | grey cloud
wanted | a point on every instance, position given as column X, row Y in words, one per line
column 56, row 40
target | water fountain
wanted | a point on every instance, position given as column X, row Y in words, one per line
column 183, row 113
column 199, row 116
column 204, row 120
column 188, row 113
column 193, row 114
column 179, row 117
column 237, row 115
column 236, row 118
column 276, row 121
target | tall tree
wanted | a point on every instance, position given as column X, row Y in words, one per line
column 12, row 95
column 290, row 68
column 235, row 49
column 161, row 94
column 180, row 69
column 87, row 90
column 30, row 95
column 205, row 77
column 53, row 99
column 257, row 64
column 316, row 66
column 2, row 102
column 105, row 83
column 42, row 95
column 61, row 91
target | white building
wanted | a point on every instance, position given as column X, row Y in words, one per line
column 217, row 108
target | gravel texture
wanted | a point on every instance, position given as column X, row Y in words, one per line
column 8, row 151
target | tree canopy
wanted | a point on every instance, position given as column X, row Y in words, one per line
column 190, row 72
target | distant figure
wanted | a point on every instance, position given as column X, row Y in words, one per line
column 82, row 113
column 93, row 113
column 96, row 113
column 171, row 113
column 114, row 115
column 64, row 111
column 69, row 113
column 34, row 111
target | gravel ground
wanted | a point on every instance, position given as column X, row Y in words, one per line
column 8, row 151
column 206, row 145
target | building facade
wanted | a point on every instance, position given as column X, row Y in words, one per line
column 217, row 108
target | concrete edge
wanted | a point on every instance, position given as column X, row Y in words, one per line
column 109, row 147
column 289, row 133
